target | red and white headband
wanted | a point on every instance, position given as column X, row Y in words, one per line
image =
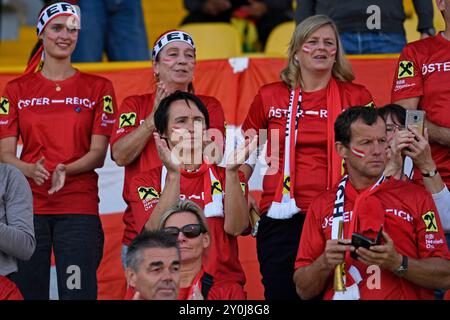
column 169, row 37
column 56, row 10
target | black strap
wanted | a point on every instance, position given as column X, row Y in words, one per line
column 207, row 281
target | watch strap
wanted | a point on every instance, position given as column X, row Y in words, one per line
column 430, row 174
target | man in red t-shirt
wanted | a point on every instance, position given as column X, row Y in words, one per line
column 153, row 267
column 421, row 82
column 412, row 257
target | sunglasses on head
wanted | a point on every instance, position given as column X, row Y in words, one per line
column 189, row 230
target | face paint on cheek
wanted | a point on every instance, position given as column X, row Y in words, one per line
column 333, row 51
column 358, row 153
column 307, row 48
column 166, row 59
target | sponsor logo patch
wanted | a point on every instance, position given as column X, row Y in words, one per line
column 4, row 106
column 127, row 119
column 429, row 219
column 405, row 69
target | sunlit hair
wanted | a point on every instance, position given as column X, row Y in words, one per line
column 185, row 206
column 291, row 75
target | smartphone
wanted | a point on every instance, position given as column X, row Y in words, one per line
column 359, row 240
column 415, row 118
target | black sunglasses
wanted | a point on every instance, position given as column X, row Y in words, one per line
column 189, row 230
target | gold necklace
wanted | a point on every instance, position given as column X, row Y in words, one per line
column 57, row 86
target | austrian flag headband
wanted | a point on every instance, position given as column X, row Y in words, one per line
column 56, row 10
column 169, row 37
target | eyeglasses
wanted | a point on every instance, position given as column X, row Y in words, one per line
column 392, row 127
column 189, row 230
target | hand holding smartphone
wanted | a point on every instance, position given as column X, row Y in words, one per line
column 359, row 240
column 415, row 118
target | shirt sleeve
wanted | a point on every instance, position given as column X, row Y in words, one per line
column 126, row 120
column 9, row 124
column 105, row 111
column 312, row 242
column 145, row 191
column 442, row 201
column 366, row 98
column 430, row 234
column 17, row 235
column 256, row 117
column 408, row 81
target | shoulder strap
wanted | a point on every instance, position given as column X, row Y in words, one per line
column 207, row 281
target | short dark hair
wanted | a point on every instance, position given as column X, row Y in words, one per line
column 344, row 121
column 148, row 240
column 161, row 116
column 395, row 110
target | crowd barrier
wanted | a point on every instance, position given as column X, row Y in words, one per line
column 234, row 82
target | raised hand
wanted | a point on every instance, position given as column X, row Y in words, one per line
column 420, row 152
column 241, row 154
column 58, row 178
column 169, row 159
column 161, row 93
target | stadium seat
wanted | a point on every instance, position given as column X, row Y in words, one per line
column 278, row 41
column 216, row 40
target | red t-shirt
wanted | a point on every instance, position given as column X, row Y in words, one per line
column 220, row 290
column 269, row 111
column 408, row 208
column 58, row 125
column 133, row 112
column 424, row 71
column 223, row 258
column 9, row 290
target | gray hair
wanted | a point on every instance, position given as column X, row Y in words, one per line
column 148, row 240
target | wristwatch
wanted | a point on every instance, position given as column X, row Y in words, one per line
column 429, row 31
column 432, row 173
column 400, row 271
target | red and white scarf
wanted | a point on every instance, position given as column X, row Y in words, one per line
column 284, row 205
column 352, row 276
column 212, row 188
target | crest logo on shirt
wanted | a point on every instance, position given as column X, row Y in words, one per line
column 147, row 193
column 243, row 185
column 107, row 104
column 405, row 69
column 4, row 106
column 216, row 187
column 430, row 221
column 286, row 185
column 127, row 119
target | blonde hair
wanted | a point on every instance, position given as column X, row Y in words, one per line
column 291, row 75
column 185, row 206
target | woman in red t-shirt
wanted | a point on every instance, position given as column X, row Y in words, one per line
column 132, row 143
column 64, row 118
column 187, row 222
column 298, row 114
